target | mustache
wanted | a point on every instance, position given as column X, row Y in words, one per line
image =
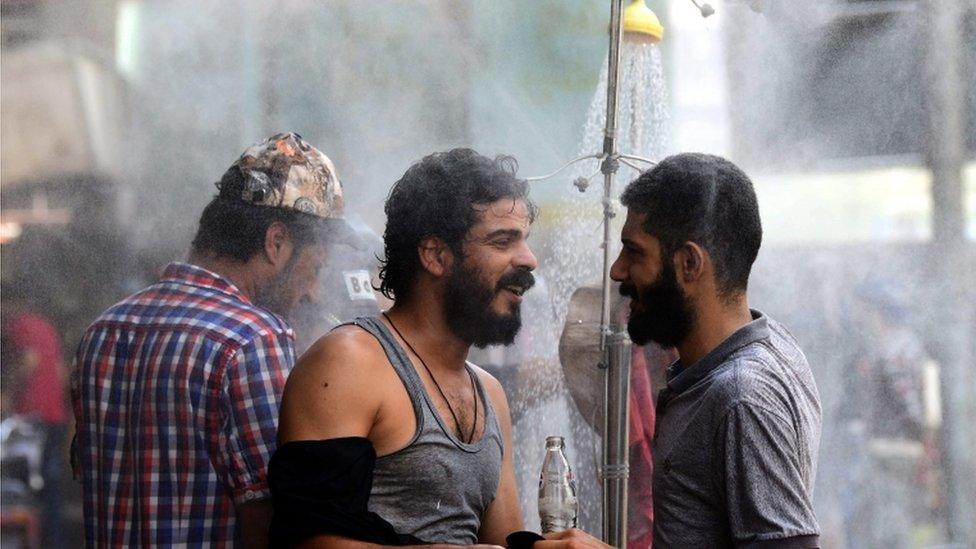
column 521, row 278
column 628, row 289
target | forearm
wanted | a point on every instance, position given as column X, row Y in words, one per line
column 254, row 520
column 337, row 542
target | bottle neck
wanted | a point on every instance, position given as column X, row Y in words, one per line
column 555, row 443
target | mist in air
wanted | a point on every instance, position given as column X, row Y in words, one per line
column 119, row 115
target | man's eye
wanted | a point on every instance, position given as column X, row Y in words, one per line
column 502, row 243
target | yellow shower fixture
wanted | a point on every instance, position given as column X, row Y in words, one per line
column 642, row 24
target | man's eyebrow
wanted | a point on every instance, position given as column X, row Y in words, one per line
column 513, row 233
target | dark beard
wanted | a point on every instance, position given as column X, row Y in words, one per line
column 273, row 296
column 666, row 315
column 467, row 307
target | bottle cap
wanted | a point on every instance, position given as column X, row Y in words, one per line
column 554, row 442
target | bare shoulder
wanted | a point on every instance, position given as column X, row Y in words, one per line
column 331, row 392
column 345, row 348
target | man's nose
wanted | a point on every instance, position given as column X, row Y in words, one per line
column 617, row 270
column 526, row 259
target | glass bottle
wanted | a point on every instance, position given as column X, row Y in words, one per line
column 558, row 506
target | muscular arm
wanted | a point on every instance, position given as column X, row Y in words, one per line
column 328, row 393
column 504, row 515
column 337, row 390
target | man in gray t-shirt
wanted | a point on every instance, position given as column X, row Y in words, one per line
column 738, row 426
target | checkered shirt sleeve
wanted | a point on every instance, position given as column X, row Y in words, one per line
column 250, row 397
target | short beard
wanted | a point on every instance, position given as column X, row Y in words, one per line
column 273, row 296
column 666, row 314
column 467, row 307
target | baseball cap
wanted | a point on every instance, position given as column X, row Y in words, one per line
column 285, row 171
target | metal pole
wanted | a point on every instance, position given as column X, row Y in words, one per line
column 951, row 261
column 615, row 356
column 616, row 440
column 610, row 162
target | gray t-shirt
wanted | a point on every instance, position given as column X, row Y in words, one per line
column 735, row 447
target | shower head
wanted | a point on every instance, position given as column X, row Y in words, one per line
column 706, row 9
column 641, row 24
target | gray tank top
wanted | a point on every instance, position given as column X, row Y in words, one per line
column 437, row 487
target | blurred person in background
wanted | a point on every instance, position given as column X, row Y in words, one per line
column 345, row 290
column 738, row 425
column 387, row 434
column 176, row 388
column 35, row 388
column 890, row 418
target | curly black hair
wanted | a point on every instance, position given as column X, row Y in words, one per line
column 704, row 199
column 437, row 197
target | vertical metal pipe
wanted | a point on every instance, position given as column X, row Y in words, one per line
column 616, row 440
column 610, row 164
column 614, row 347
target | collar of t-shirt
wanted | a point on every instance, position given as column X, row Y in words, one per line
column 681, row 378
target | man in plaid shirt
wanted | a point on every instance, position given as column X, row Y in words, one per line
column 176, row 388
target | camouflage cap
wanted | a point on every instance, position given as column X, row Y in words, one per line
column 284, row 171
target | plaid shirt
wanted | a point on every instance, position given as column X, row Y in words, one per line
column 176, row 392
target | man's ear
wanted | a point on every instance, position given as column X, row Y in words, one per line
column 435, row 256
column 689, row 262
column 277, row 244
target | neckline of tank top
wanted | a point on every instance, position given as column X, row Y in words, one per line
column 471, row 447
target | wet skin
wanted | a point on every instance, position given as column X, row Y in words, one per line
column 639, row 262
column 496, row 245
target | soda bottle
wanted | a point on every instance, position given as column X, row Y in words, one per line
column 558, row 506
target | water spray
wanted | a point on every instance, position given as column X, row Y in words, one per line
column 637, row 24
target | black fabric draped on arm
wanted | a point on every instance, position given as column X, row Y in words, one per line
column 322, row 487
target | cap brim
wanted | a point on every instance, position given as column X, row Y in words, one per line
column 338, row 231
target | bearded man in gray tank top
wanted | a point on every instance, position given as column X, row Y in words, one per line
column 738, row 425
column 395, row 391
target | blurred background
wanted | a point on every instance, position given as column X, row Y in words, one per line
column 855, row 118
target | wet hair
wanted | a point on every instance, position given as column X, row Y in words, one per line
column 438, row 197
column 707, row 200
column 230, row 227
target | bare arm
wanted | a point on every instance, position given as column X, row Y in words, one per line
column 334, row 542
column 328, row 393
column 334, row 392
column 253, row 522
column 504, row 515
